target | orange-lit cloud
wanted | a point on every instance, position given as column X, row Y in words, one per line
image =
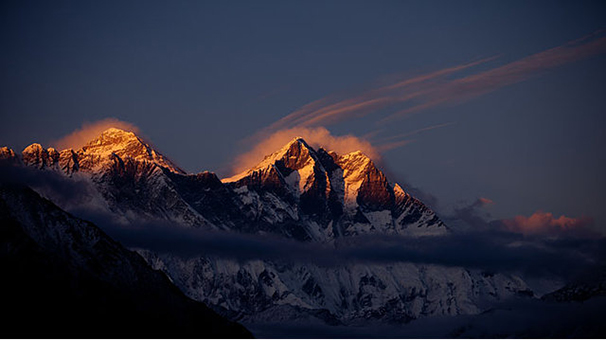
column 483, row 201
column 89, row 131
column 315, row 137
column 545, row 223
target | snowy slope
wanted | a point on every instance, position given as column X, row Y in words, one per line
column 397, row 292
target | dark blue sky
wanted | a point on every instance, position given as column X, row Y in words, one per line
column 198, row 77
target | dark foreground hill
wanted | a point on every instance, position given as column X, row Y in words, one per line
column 64, row 277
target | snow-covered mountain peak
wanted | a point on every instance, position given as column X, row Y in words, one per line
column 297, row 139
column 7, row 153
column 357, row 167
column 398, row 191
column 356, row 156
column 357, row 153
column 32, row 148
column 352, row 176
column 362, row 179
column 123, row 144
column 348, row 189
column 294, row 155
column 355, row 162
column 36, row 155
column 117, row 131
column 114, row 139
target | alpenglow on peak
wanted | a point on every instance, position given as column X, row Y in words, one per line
column 124, row 144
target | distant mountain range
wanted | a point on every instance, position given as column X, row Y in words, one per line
column 298, row 193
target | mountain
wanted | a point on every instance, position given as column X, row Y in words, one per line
column 64, row 277
column 337, row 196
column 298, row 193
column 113, row 145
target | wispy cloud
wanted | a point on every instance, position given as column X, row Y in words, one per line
column 483, row 201
column 416, row 132
column 331, row 110
column 394, row 145
column 438, row 88
column 493, row 250
column 463, row 89
column 396, row 141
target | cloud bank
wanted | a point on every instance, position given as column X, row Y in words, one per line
column 488, row 250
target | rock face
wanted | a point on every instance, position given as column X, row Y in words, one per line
column 297, row 193
column 64, row 277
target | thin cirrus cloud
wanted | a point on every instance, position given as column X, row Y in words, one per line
column 328, row 110
column 396, row 141
column 466, row 88
column 438, row 88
